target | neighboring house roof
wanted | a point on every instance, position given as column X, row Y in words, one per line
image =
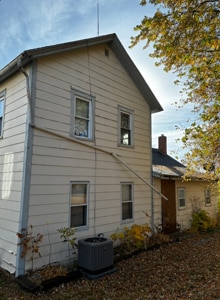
column 165, row 166
column 111, row 39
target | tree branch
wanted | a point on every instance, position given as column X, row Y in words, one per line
column 207, row 1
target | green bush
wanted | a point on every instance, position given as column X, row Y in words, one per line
column 68, row 235
column 202, row 222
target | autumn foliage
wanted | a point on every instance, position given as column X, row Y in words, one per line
column 186, row 40
column 29, row 243
column 132, row 238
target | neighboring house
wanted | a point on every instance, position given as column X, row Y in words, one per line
column 75, row 147
column 183, row 196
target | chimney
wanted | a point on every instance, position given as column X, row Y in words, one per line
column 162, row 143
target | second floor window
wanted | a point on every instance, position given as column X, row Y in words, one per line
column 125, row 127
column 82, row 115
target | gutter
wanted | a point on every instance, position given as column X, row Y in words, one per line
column 13, row 66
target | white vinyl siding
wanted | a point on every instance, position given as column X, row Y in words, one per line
column 14, row 118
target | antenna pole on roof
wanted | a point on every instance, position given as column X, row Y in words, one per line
column 97, row 17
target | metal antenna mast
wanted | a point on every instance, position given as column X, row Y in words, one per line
column 97, row 17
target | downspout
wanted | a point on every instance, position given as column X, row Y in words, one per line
column 153, row 227
column 152, row 216
column 19, row 64
column 25, row 190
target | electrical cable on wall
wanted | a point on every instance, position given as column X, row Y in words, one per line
column 95, row 174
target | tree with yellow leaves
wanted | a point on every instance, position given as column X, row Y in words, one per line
column 186, row 40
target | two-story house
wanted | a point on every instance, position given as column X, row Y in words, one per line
column 75, row 146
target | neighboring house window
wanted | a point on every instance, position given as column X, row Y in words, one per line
column 82, row 116
column 79, row 204
column 127, row 201
column 182, row 197
column 207, row 197
column 125, row 127
column 2, row 104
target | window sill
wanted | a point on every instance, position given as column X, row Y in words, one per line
column 82, row 228
column 127, row 221
column 82, row 138
column 182, row 208
column 126, row 146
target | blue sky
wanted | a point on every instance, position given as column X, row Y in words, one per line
column 29, row 24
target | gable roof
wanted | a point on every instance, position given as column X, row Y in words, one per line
column 111, row 39
column 166, row 166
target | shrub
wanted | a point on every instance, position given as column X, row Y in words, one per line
column 68, row 235
column 30, row 243
column 132, row 239
column 202, row 222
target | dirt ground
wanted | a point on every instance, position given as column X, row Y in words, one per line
column 187, row 269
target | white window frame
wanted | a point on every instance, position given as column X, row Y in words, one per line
column 129, row 201
column 207, row 197
column 91, row 100
column 85, row 205
column 130, row 113
column 181, row 198
column 2, row 115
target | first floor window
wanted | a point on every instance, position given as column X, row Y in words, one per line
column 79, row 204
column 181, row 197
column 207, row 197
column 125, row 127
column 127, row 201
column 82, row 115
column 2, row 104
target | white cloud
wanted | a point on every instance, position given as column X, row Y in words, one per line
column 45, row 19
column 38, row 23
column 29, row 24
column 61, row 20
